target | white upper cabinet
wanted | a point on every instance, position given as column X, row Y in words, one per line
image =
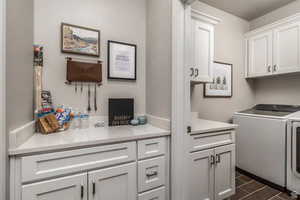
column 274, row 49
column 260, row 55
column 200, row 45
column 203, row 51
column 287, row 48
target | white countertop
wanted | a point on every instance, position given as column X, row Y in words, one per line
column 39, row 143
column 295, row 116
column 205, row 126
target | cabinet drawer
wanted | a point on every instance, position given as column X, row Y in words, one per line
column 157, row 194
column 152, row 147
column 60, row 163
column 210, row 140
column 151, row 173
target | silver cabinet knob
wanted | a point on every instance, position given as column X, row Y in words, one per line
column 212, row 160
column 197, row 72
column 218, row 158
column 192, row 71
column 269, row 68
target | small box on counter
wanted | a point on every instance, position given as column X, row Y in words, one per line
column 121, row 111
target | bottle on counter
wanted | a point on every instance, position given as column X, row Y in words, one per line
column 85, row 120
column 76, row 123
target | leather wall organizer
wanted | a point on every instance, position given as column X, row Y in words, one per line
column 84, row 71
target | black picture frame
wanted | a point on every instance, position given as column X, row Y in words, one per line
column 109, row 65
column 77, row 52
column 205, row 95
column 120, row 111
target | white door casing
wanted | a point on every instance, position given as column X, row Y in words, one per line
column 180, row 96
column 286, row 48
column 3, row 139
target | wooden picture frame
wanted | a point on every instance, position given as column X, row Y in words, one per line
column 122, row 61
column 86, row 41
column 220, row 88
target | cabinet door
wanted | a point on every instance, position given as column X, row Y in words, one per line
column 224, row 172
column 287, row 48
column 260, row 55
column 115, row 183
column 203, row 54
column 201, row 175
column 70, row 188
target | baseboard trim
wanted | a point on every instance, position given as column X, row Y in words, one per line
column 159, row 122
column 21, row 134
column 264, row 181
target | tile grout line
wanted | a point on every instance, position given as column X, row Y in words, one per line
column 280, row 197
column 277, row 195
column 245, row 183
column 252, row 192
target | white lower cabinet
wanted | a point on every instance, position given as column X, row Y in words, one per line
column 212, row 172
column 224, row 172
column 108, row 172
column 115, row 183
column 201, row 175
column 70, row 188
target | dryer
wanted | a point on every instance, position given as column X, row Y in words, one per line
column 293, row 154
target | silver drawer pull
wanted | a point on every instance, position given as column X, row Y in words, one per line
column 81, row 191
column 218, row 160
column 212, row 160
column 192, row 72
column 151, row 174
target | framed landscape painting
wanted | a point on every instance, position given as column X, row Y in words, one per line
column 222, row 81
column 80, row 40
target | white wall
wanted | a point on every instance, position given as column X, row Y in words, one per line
column 120, row 20
column 229, row 48
column 3, row 137
column 158, row 73
column 19, row 69
column 19, row 73
column 280, row 89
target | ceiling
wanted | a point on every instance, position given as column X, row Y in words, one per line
column 247, row 9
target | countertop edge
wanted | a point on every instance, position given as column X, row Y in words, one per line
column 79, row 145
column 195, row 132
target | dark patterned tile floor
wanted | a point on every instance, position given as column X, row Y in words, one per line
column 249, row 189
